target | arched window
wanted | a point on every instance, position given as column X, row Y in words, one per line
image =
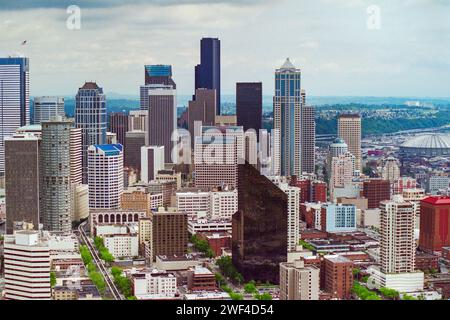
column 118, row 218
column 106, row 218
column 124, row 218
column 136, row 217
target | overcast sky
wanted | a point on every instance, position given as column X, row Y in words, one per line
column 328, row 39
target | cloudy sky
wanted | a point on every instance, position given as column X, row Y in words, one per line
column 409, row 55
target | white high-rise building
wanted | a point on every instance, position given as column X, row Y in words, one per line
column 46, row 108
column 27, row 266
column 293, row 214
column 397, row 248
column 397, row 245
column 342, row 170
column 152, row 161
column 14, row 99
column 223, row 204
column 191, row 202
column 105, row 172
column 298, row 282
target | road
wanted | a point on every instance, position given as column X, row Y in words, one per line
column 99, row 262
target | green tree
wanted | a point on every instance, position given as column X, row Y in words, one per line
column 52, row 278
column 98, row 280
column 264, row 296
column 250, row 287
column 390, row 293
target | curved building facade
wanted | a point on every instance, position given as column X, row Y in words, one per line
column 429, row 145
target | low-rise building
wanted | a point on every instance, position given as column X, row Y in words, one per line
column 201, row 279
column 154, row 284
column 122, row 245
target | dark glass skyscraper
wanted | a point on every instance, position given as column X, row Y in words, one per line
column 207, row 73
column 259, row 227
column 118, row 124
column 249, row 105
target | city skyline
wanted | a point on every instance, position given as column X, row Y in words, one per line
column 393, row 60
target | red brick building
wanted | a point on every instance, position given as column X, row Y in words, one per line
column 217, row 241
column 376, row 190
column 337, row 276
column 201, row 279
column 319, row 191
column 434, row 224
column 426, row 261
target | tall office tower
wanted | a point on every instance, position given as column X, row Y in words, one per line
column 249, row 105
column 337, row 276
column 155, row 75
column 201, row 111
column 207, row 73
column 55, row 166
column 397, row 245
column 137, row 120
column 27, row 266
column 105, row 172
column 293, row 215
column 308, row 139
column 162, row 118
column 134, row 141
column 342, row 169
column 90, row 116
column 260, row 227
column 152, row 161
column 46, row 108
column 318, row 191
column 170, row 232
column 298, row 282
column 22, row 182
column 118, row 124
column 390, row 170
column 376, row 190
column 349, row 129
column 287, row 105
column 215, row 161
column 76, row 156
column 14, row 99
column 434, row 224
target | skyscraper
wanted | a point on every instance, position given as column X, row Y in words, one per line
column 207, row 73
column 46, row 108
column 201, row 111
column 376, row 190
column 55, row 164
column 260, row 227
column 14, row 99
column 137, row 120
column 162, row 118
column 105, row 163
column 287, row 117
column 397, row 245
column 349, row 129
column 118, row 124
column 22, row 182
column 90, row 116
column 159, row 74
column 155, row 75
column 249, row 105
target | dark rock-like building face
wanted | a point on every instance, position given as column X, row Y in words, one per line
column 259, row 227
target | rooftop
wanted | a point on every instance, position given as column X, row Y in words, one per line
column 437, row 200
column 429, row 141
